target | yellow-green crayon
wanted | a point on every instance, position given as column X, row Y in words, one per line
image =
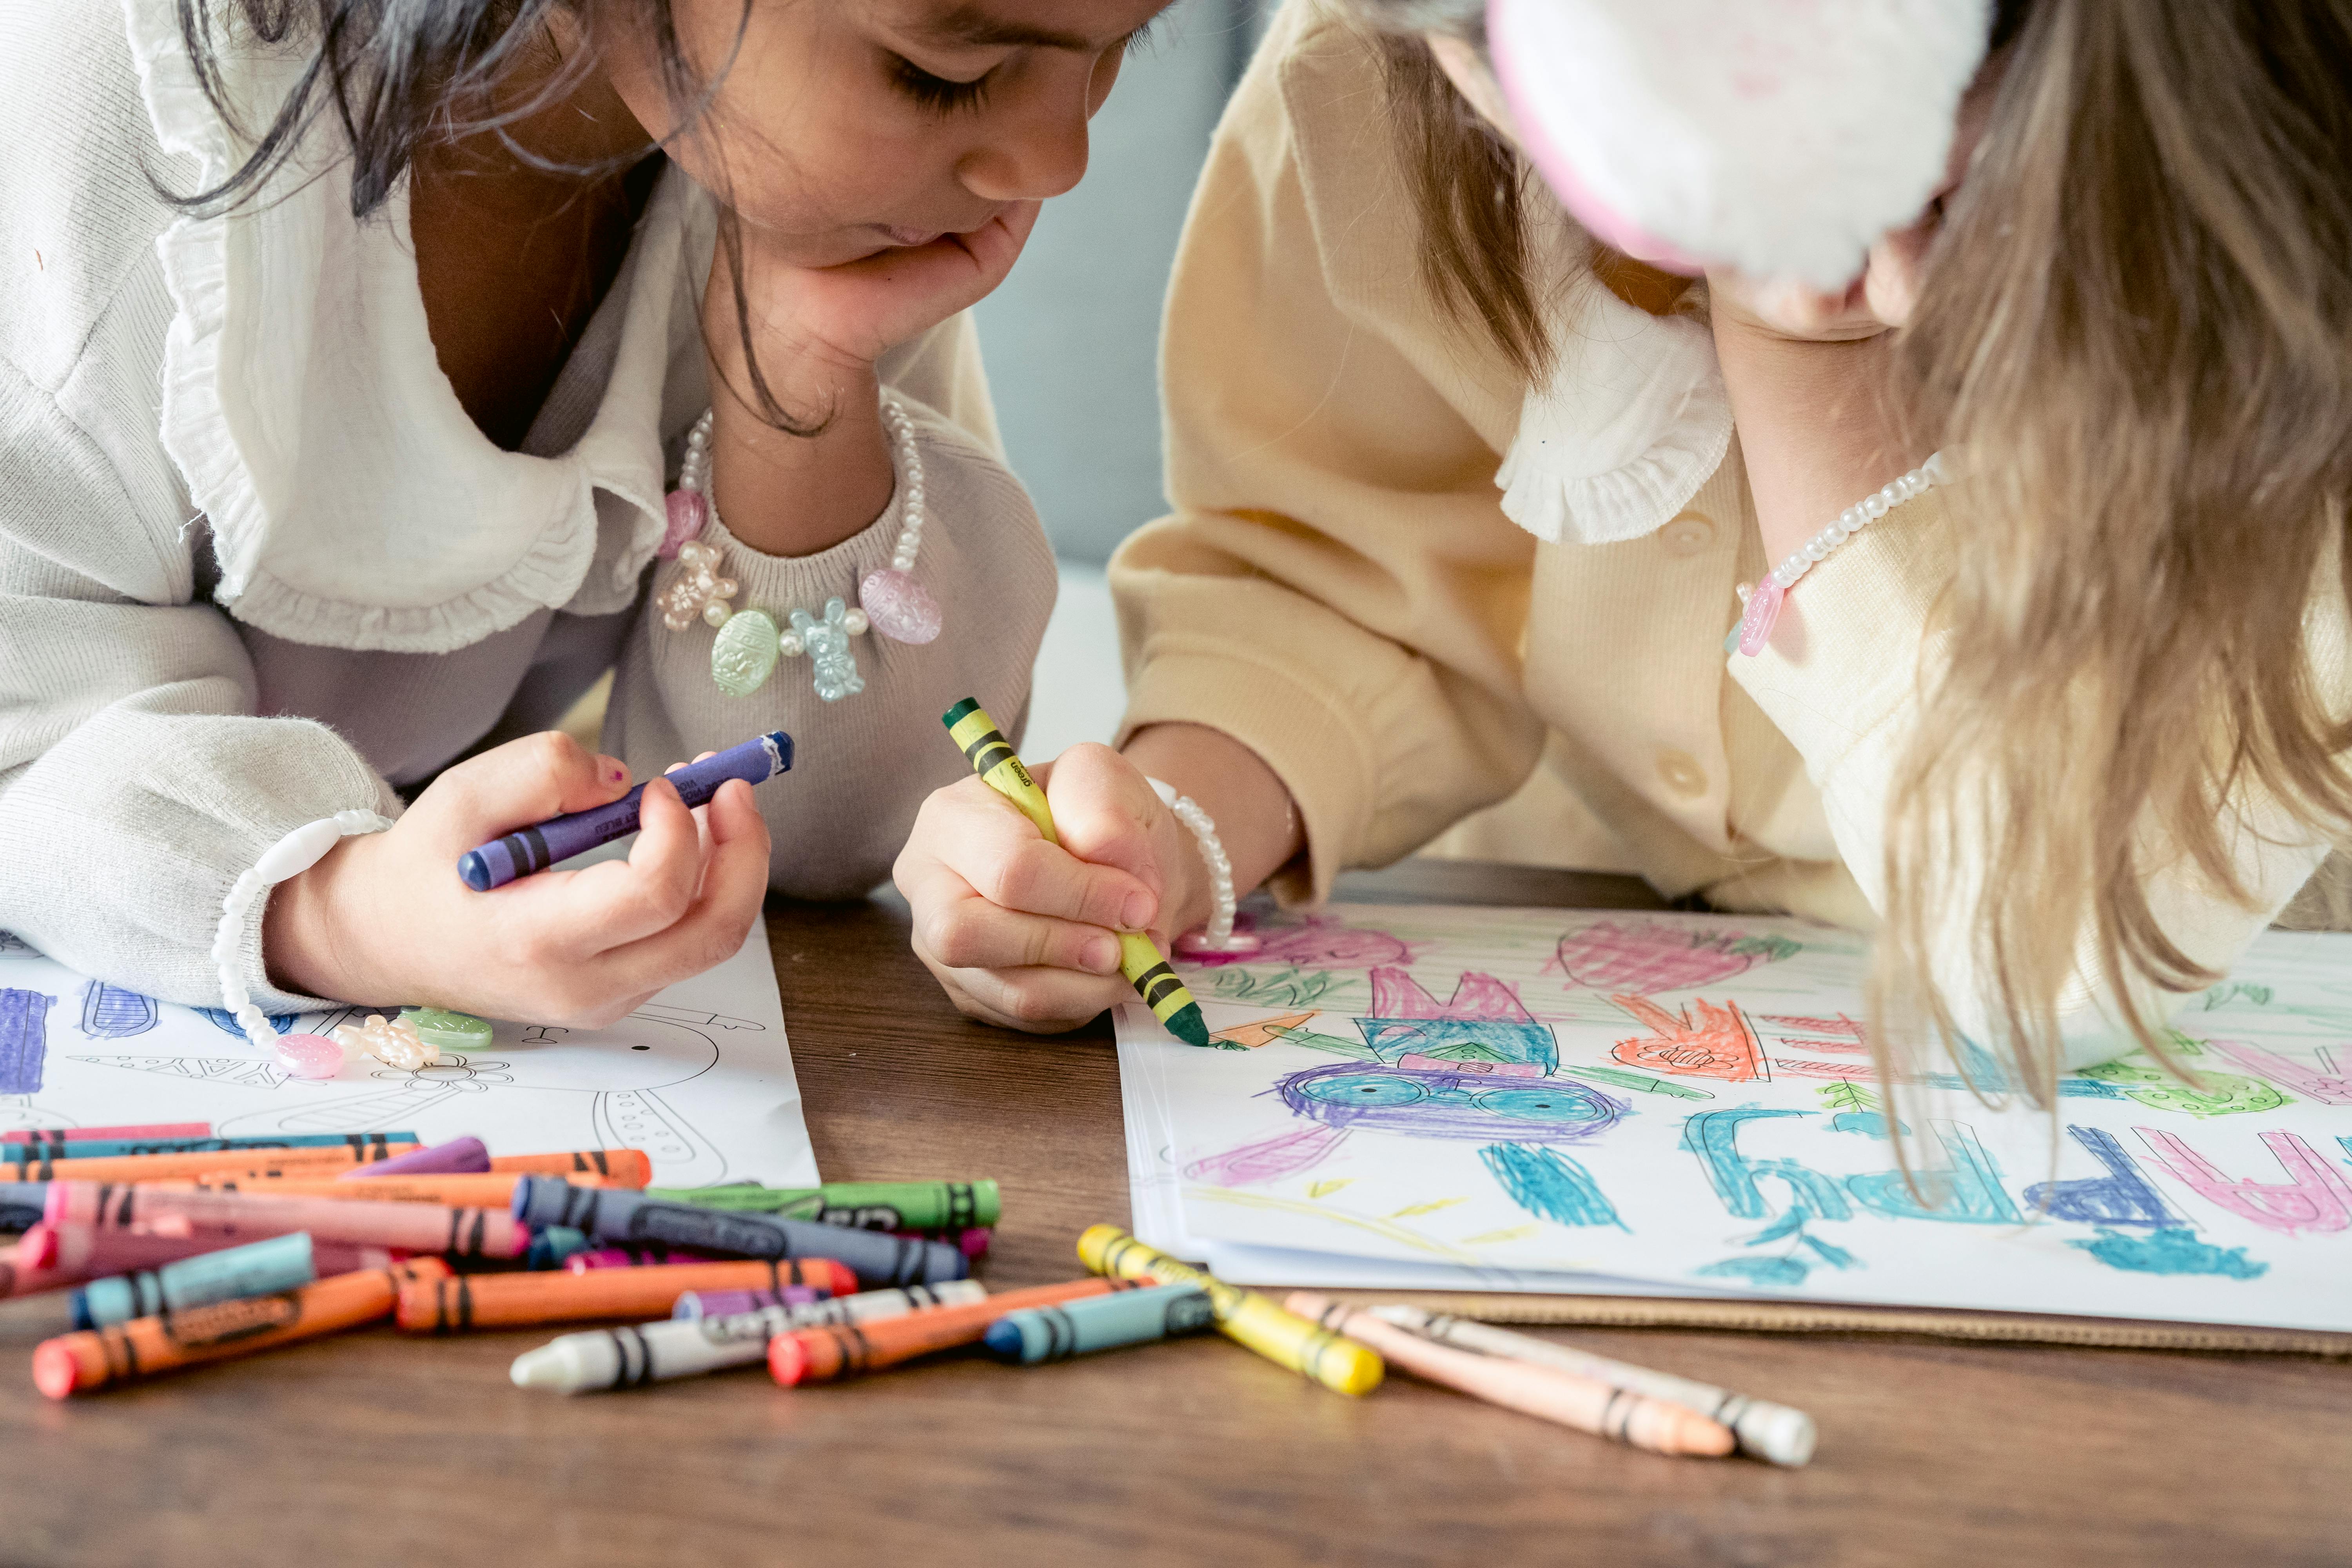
column 1001, row 769
column 1258, row 1322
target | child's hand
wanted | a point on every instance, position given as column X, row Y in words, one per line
column 1020, row 932
column 384, row 917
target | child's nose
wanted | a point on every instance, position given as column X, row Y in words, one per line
column 1037, row 157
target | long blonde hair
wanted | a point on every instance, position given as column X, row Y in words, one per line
column 2137, row 322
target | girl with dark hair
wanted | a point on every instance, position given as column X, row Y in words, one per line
column 1457, row 543
column 379, row 372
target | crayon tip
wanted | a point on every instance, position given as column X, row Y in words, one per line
column 1003, row 1340
column 788, row 1360
column 1187, row 1025
column 55, row 1372
column 542, row 1368
column 475, row 870
column 954, row 715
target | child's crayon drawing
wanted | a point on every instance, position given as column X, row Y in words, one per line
column 700, row 1077
column 1465, row 1098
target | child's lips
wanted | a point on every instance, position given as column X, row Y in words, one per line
column 910, row 237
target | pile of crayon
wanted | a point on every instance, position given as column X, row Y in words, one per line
column 182, row 1248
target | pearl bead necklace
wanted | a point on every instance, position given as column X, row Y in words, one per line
column 1764, row 602
column 750, row 643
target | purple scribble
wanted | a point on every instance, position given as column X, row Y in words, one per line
column 1449, row 1104
column 1268, row 1160
column 1318, row 942
column 23, row 1039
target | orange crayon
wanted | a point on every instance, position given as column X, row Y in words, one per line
column 453, row 1306
column 619, row 1167
column 77, row 1364
column 834, row 1350
column 181, row 1167
column 471, row 1189
column 1586, row 1404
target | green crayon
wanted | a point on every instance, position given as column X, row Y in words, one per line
column 860, row 1206
column 1001, row 769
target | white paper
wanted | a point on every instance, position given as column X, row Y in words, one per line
column 700, row 1077
column 1574, row 1101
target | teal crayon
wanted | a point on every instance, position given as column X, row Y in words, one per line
column 34, row 1153
column 1056, row 1332
column 261, row 1268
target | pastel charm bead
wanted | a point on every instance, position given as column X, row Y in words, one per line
column 827, row 642
column 745, row 652
column 391, row 1041
column 447, row 1031
column 687, row 511
column 312, row 1056
column 899, row 607
column 1763, row 612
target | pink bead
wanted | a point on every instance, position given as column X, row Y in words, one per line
column 1763, row 612
column 1193, row 943
column 898, row 606
column 309, row 1056
column 687, row 512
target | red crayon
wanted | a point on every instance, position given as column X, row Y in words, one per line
column 249, row 1216
column 153, row 1129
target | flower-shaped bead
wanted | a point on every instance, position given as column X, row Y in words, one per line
column 391, row 1041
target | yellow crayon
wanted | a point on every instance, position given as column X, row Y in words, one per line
column 1248, row 1319
column 1001, row 769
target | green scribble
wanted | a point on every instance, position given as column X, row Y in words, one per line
column 1858, row 1110
column 1286, row 988
column 1640, row 1082
column 2220, row 1094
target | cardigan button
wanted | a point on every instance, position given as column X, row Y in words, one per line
column 1682, row 773
column 1689, row 535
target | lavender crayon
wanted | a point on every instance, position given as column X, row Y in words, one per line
column 535, row 848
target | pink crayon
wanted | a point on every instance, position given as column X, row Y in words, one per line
column 154, row 1131
column 88, row 1250
column 406, row 1228
column 457, row 1157
column 20, row 1276
column 971, row 1242
column 640, row 1255
column 735, row 1303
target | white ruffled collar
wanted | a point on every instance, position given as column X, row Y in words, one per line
column 352, row 502
column 1632, row 420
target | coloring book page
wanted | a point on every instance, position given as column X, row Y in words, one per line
column 1542, row 1099
column 700, row 1077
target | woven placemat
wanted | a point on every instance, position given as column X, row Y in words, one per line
column 1814, row 1318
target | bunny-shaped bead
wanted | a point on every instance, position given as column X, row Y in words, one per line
column 827, row 642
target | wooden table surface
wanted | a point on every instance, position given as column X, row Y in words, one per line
column 374, row 1448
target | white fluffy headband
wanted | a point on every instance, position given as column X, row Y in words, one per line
column 1781, row 137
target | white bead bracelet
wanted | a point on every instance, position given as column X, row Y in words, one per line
column 1217, row 936
column 1764, row 601
column 290, row 856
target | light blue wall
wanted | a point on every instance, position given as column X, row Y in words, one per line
column 1071, row 338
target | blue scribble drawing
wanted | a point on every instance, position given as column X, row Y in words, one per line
column 1484, row 1021
column 1547, row 1184
column 1761, row 1270
column 1714, row 1136
column 218, row 1018
column 1429, row 1103
column 2123, row 1197
column 23, row 1039
column 2171, row 1252
column 110, row 1013
column 1967, row 1190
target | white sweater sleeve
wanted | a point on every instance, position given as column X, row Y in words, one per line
column 135, row 781
column 1838, row 680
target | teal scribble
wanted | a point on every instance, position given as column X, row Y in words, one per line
column 1547, row 1184
column 1835, row 1257
column 1870, row 1123
column 1758, row 1270
column 2171, row 1252
column 1967, row 1190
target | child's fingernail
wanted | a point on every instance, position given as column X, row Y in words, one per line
column 610, row 770
column 1101, row 955
column 1136, row 911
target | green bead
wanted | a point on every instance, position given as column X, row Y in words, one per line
column 449, row 1031
column 745, row 652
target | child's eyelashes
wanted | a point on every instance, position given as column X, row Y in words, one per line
column 937, row 94
column 1141, row 39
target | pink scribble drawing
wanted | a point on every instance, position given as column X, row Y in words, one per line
column 2317, row 1197
column 1847, row 1037
column 1396, row 994
column 2327, row 1087
column 1319, row 941
column 1813, row 1069
column 1642, row 957
column 1721, row 1045
column 1269, row 1159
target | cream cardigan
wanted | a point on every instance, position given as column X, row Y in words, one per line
column 1343, row 586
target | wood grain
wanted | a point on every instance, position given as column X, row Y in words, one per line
column 373, row 1448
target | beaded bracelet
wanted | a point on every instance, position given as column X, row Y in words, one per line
column 1763, row 612
column 1217, row 935
column 304, row 1056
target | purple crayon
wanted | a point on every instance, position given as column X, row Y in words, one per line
column 535, row 848
column 457, row 1157
column 734, row 1304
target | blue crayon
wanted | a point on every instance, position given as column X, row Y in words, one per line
column 535, row 848
column 23, row 1204
column 1034, row 1334
column 258, row 1268
column 614, row 1214
column 117, row 1148
column 551, row 1248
